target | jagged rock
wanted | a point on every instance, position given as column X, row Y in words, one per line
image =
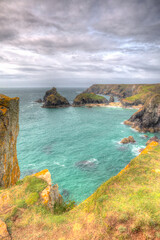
column 88, row 98
column 45, row 175
column 4, row 235
column 39, row 100
column 53, row 99
column 147, row 118
column 111, row 99
column 9, row 128
column 153, row 139
column 50, row 195
column 130, row 139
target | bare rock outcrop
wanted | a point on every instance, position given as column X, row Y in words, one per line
column 130, row 139
column 50, row 195
column 53, row 99
column 148, row 117
column 9, row 128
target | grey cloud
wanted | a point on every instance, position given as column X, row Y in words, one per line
column 85, row 39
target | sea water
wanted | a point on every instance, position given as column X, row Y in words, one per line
column 80, row 146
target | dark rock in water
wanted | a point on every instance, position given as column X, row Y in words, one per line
column 53, row 99
column 122, row 148
column 148, row 117
column 111, row 99
column 87, row 165
column 130, row 139
column 89, row 98
column 144, row 136
column 39, row 100
column 65, row 193
column 153, row 139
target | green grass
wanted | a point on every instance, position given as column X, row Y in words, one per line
column 134, row 97
column 133, row 195
column 125, row 205
column 87, row 96
column 34, row 184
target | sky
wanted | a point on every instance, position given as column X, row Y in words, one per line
column 68, row 43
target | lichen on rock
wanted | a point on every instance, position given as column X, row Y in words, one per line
column 9, row 128
column 50, row 195
column 4, row 235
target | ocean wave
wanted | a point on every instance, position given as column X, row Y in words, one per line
column 135, row 149
column 58, row 164
column 87, row 164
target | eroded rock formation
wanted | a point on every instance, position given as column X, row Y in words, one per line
column 53, row 99
column 9, row 128
column 130, row 139
column 50, row 195
column 147, row 118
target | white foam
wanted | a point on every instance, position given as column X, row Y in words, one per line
column 135, row 149
column 133, row 129
column 57, row 163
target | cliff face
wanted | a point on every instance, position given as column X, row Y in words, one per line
column 147, row 118
column 9, row 128
column 146, row 95
column 120, row 90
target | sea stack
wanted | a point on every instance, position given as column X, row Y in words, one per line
column 9, row 128
column 88, row 98
column 53, row 99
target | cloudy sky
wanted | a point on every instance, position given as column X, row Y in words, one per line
column 79, row 42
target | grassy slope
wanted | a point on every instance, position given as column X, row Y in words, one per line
column 124, row 207
column 88, row 96
column 144, row 92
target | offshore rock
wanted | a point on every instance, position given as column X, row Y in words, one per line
column 9, row 128
column 53, row 99
column 39, row 100
column 148, row 117
column 130, row 139
column 111, row 99
column 88, row 98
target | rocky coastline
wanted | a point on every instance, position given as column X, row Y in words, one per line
column 145, row 97
column 28, row 206
column 9, row 128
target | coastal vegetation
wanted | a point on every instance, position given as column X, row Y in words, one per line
column 146, row 96
column 88, row 98
column 124, row 207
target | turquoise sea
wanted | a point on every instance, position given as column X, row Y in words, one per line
column 79, row 146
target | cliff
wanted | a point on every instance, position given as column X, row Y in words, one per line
column 53, row 99
column 131, row 95
column 124, row 207
column 9, row 128
column 88, row 98
column 147, row 118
